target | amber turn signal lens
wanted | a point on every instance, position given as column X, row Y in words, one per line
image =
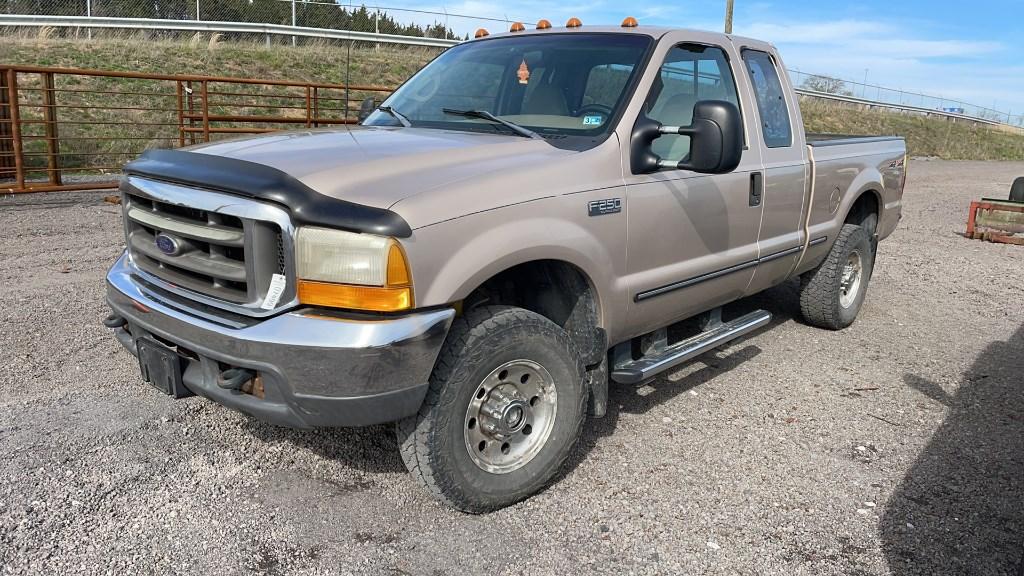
column 543, row 25
column 573, row 23
column 398, row 268
column 517, row 27
column 481, row 32
column 371, row 298
column 630, row 22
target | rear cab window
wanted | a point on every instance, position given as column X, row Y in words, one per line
column 771, row 98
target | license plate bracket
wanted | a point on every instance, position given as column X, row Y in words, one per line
column 161, row 367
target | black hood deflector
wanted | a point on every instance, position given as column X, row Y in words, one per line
column 252, row 180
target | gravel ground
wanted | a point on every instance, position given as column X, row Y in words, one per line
column 893, row 447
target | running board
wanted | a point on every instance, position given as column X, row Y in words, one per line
column 638, row 371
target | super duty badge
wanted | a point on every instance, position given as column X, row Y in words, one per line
column 606, row 206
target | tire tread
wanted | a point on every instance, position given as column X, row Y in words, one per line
column 417, row 433
column 819, row 292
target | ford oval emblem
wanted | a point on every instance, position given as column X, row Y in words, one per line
column 168, row 244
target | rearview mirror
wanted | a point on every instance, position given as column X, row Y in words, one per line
column 716, row 140
column 366, row 108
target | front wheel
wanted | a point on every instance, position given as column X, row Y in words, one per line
column 505, row 406
column 832, row 294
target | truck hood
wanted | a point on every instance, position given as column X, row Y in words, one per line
column 377, row 166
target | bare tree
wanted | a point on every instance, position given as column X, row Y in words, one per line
column 827, row 85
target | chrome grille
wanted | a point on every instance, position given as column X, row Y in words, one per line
column 208, row 246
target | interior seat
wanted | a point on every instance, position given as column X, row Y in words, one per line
column 546, row 99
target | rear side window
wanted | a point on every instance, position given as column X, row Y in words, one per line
column 690, row 73
column 771, row 99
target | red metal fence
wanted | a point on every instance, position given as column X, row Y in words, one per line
column 71, row 129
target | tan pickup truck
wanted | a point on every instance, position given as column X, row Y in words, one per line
column 532, row 217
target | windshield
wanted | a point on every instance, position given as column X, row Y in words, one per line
column 555, row 85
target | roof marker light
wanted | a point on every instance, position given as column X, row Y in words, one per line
column 573, row 23
column 543, row 25
column 517, row 27
column 630, row 22
column 481, row 32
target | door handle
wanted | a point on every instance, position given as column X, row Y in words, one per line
column 756, row 188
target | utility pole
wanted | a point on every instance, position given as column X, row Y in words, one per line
column 728, row 16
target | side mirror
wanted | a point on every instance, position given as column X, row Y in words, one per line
column 716, row 140
column 366, row 108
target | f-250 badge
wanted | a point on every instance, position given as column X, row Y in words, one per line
column 606, row 206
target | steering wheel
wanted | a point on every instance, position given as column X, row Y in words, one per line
column 594, row 107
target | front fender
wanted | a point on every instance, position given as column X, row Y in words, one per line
column 451, row 259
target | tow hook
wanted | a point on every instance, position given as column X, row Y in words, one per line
column 114, row 321
column 234, row 378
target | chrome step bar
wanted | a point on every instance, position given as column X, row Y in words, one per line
column 639, row 371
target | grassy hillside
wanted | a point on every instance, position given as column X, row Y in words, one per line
column 110, row 132
column 926, row 136
column 313, row 61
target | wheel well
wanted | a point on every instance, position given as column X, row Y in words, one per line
column 555, row 289
column 863, row 208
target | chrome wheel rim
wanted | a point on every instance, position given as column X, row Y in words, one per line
column 849, row 286
column 510, row 417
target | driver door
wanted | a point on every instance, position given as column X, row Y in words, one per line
column 692, row 238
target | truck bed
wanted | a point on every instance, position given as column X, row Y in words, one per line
column 820, row 140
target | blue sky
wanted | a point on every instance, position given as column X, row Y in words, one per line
column 973, row 51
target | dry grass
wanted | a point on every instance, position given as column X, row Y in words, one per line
column 314, row 61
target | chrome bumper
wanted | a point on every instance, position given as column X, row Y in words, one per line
column 317, row 369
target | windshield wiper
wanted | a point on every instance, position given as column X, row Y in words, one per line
column 398, row 115
column 485, row 115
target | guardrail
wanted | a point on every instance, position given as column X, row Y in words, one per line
column 903, row 107
column 59, row 121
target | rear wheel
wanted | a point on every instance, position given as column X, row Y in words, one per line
column 832, row 294
column 505, row 407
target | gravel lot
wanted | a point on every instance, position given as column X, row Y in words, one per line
column 894, row 447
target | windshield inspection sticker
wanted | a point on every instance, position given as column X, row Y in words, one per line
column 277, row 285
column 592, row 120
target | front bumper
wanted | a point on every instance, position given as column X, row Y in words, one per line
column 317, row 368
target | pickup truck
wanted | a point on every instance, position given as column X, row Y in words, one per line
column 530, row 218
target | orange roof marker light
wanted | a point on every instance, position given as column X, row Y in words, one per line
column 543, row 25
column 481, row 32
column 630, row 22
column 573, row 23
column 517, row 27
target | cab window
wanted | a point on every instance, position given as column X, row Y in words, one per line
column 771, row 99
column 690, row 73
column 562, row 86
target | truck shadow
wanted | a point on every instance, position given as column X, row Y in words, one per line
column 960, row 509
column 372, row 449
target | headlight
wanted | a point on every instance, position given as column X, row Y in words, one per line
column 347, row 270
